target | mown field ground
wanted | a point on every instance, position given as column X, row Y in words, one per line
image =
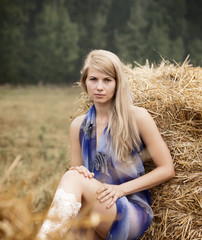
column 34, row 126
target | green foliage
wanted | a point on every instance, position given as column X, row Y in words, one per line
column 46, row 41
column 195, row 49
column 129, row 41
column 158, row 40
column 193, row 36
column 56, row 49
column 12, row 44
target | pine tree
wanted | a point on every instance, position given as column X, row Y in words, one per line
column 193, row 36
column 131, row 40
column 99, row 35
column 56, row 45
column 12, row 43
column 166, row 29
column 118, row 15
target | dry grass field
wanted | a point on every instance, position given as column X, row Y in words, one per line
column 34, row 128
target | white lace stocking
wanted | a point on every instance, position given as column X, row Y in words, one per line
column 63, row 208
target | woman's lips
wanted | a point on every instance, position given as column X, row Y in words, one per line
column 99, row 95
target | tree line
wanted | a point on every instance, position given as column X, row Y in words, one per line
column 46, row 41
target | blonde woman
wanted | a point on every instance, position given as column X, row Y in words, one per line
column 107, row 171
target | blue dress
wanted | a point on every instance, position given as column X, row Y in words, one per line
column 133, row 211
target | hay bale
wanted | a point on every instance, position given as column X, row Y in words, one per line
column 172, row 94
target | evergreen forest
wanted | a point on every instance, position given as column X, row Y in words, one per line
column 46, row 41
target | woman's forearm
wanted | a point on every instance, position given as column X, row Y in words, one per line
column 149, row 180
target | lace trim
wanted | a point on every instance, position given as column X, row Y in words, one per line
column 63, row 208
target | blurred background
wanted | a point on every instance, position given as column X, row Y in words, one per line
column 47, row 41
column 43, row 44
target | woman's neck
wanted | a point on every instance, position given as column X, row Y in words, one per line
column 102, row 110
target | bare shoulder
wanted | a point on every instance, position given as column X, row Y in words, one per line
column 76, row 123
column 148, row 130
column 140, row 113
column 143, row 119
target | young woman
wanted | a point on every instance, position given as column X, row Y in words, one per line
column 107, row 156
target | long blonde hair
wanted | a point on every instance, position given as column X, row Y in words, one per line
column 122, row 124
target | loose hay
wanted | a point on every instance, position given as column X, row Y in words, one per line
column 172, row 94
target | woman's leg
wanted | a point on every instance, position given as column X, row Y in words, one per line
column 84, row 192
column 138, row 221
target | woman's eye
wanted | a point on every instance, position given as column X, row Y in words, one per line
column 107, row 79
column 92, row 79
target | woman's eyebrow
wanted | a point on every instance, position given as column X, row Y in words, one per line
column 107, row 77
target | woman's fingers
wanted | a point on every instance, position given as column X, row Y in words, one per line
column 108, row 191
column 83, row 170
column 112, row 201
column 106, row 195
column 102, row 188
column 105, row 192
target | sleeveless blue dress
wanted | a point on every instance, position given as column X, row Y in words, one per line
column 133, row 211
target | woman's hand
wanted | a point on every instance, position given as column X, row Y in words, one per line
column 82, row 170
column 108, row 191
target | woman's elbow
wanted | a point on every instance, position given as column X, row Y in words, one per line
column 170, row 172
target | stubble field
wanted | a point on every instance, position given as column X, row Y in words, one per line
column 34, row 136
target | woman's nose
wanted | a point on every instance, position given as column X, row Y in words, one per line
column 99, row 85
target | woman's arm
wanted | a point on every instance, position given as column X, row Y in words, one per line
column 158, row 151
column 76, row 158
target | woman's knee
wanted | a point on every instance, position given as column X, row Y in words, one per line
column 71, row 174
column 71, row 179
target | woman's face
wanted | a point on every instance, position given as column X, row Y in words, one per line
column 100, row 86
